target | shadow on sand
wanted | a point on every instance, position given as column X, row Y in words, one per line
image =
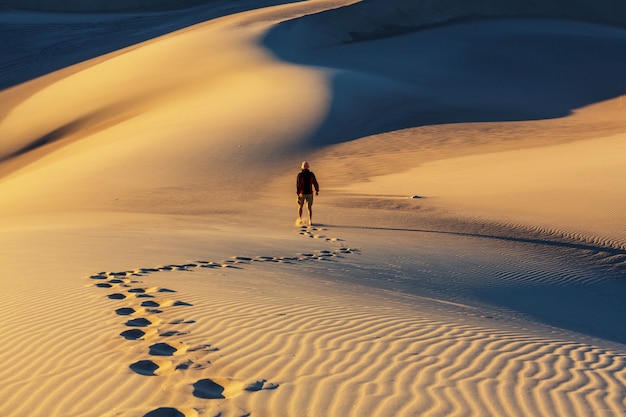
column 586, row 299
column 33, row 44
column 491, row 70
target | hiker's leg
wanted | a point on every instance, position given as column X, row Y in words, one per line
column 310, row 207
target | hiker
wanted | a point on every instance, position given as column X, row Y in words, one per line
column 305, row 183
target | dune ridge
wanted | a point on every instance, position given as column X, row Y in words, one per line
column 483, row 71
column 39, row 42
column 372, row 19
column 93, row 6
column 150, row 263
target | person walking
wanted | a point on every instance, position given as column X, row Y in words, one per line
column 305, row 184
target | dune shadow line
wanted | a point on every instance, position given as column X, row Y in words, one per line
column 501, row 67
column 516, row 239
column 32, row 49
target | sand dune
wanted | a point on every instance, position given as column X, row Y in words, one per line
column 36, row 43
column 94, row 6
column 469, row 252
column 373, row 19
column 195, row 107
column 320, row 347
column 483, row 71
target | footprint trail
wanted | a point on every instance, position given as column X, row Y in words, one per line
column 167, row 354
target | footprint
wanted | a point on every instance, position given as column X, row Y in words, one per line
column 134, row 311
column 218, row 388
column 171, row 333
column 288, row 259
column 348, row 250
column 146, row 270
column 206, row 348
column 182, row 321
column 230, row 264
column 106, row 285
column 98, row 276
column 163, row 303
column 260, row 385
column 150, row 303
column 168, row 349
column 178, row 267
column 171, row 412
column 210, row 265
column 143, row 322
column 140, row 334
column 117, row 296
column 141, row 295
column 243, row 259
column 152, row 367
column 120, row 281
column 131, row 295
column 208, row 389
column 182, row 303
column 189, row 364
column 141, row 290
column 265, row 259
column 166, row 268
column 119, row 274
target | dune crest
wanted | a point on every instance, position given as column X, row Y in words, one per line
column 373, row 19
column 97, row 6
column 468, row 251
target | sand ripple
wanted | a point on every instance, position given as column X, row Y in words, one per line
column 355, row 355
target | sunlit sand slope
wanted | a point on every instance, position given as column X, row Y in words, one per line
column 469, row 252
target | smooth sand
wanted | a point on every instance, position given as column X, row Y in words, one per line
column 469, row 249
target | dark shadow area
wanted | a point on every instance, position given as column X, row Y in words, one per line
column 134, row 334
column 576, row 286
column 117, row 296
column 125, row 311
column 586, row 309
column 489, row 70
column 164, row 412
column 162, row 349
column 145, row 367
column 33, row 44
column 138, row 322
column 581, row 246
column 207, row 389
column 150, row 303
column 97, row 6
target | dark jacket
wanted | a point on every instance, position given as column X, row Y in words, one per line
column 306, row 182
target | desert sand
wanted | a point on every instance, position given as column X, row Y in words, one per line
column 468, row 249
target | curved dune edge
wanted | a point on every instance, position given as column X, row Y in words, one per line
column 99, row 6
column 206, row 308
column 139, row 127
column 570, row 187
